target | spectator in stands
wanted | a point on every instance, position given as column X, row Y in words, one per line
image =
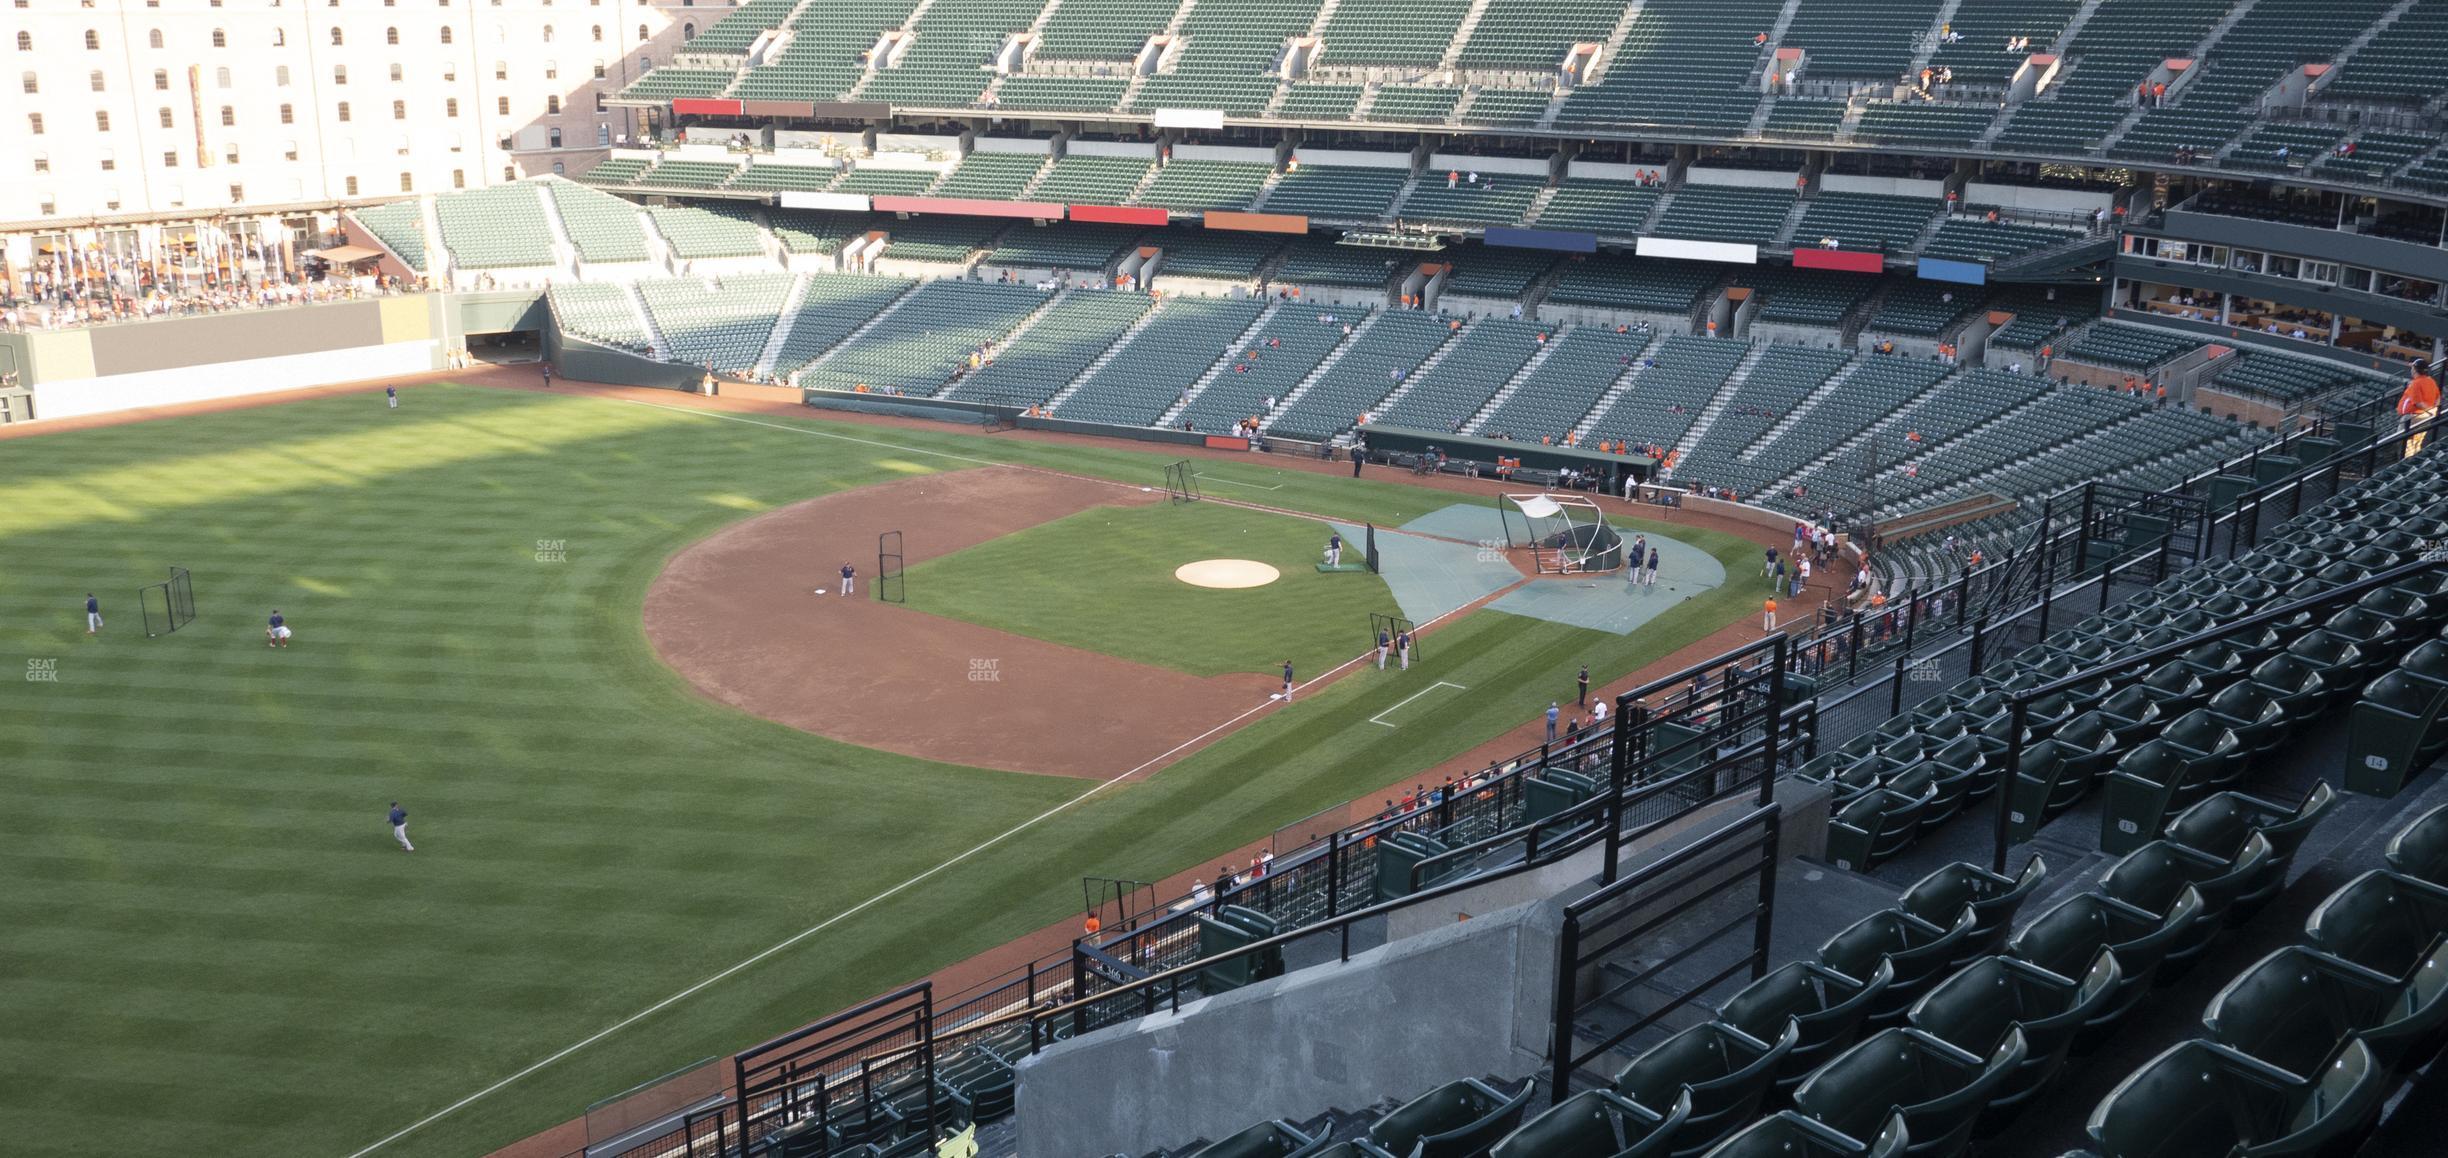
column 1760, row 41
column 2419, row 404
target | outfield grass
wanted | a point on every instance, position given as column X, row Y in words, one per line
column 1103, row 580
column 212, row 945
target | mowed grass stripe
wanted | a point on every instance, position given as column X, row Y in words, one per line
column 594, row 837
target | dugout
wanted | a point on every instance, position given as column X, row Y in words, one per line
column 1539, row 464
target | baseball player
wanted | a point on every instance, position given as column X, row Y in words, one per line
column 276, row 630
column 93, row 621
column 1632, row 570
column 391, row 396
column 849, row 577
column 1384, row 644
column 1403, row 641
column 1334, row 549
column 1287, row 692
column 399, row 827
column 1650, row 579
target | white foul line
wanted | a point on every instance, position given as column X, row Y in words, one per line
column 870, row 902
column 1413, row 696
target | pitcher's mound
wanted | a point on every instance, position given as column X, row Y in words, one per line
column 1227, row 573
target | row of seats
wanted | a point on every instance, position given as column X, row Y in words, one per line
column 1670, row 391
column 2132, row 347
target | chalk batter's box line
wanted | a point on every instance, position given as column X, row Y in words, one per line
column 1379, row 718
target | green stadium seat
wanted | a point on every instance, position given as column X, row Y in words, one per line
column 1975, row 1007
column 2157, row 876
column 2420, row 849
column 1724, row 1072
column 1596, row 1123
column 2068, row 939
column 2202, row 1098
column 2395, row 731
column 1452, row 1121
column 2222, row 825
column 1876, row 826
column 2196, row 756
column 1824, row 1007
column 2386, row 922
column 1939, row 1089
column 1917, row 950
column 2295, row 1008
column 1992, row 898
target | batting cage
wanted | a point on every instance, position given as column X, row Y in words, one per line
column 888, row 567
column 1181, row 481
column 1394, row 628
column 169, row 604
column 1567, row 534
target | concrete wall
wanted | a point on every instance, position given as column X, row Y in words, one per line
column 1891, row 186
column 1463, row 986
column 1394, row 1021
column 164, row 387
column 2035, row 198
column 195, row 359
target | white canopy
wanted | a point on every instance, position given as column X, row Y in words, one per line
column 1537, row 506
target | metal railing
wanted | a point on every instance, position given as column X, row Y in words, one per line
column 1681, row 882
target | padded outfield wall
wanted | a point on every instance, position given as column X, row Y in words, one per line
column 197, row 359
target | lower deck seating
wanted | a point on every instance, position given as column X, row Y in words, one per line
column 1375, row 361
column 1041, row 360
column 918, row 347
column 1151, row 372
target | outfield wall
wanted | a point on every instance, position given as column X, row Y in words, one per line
column 197, row 359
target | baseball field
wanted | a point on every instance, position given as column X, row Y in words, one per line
column 664, row 805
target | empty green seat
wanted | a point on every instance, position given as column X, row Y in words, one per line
column 2156, row 876
column 1275, row 1139
column 2068, row 939
column 2058, row 772
column 1940, row 1090
column 2253, row 714
column 2420, row 849
column 2395, row 730
column 2224, row 823
column 2383, row 921
column 1825, row 1007
column 2196, row 756
column 1975, row 1008
column 1452, row 1120
column 1992, row 898
column 1396, row 855
column 1790, row 1135
column 2200, row 1098
column 1725, row 1071
column 1875, row 826
column 1596, row 1124
column 1915, row 949
column 2297, row 1007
